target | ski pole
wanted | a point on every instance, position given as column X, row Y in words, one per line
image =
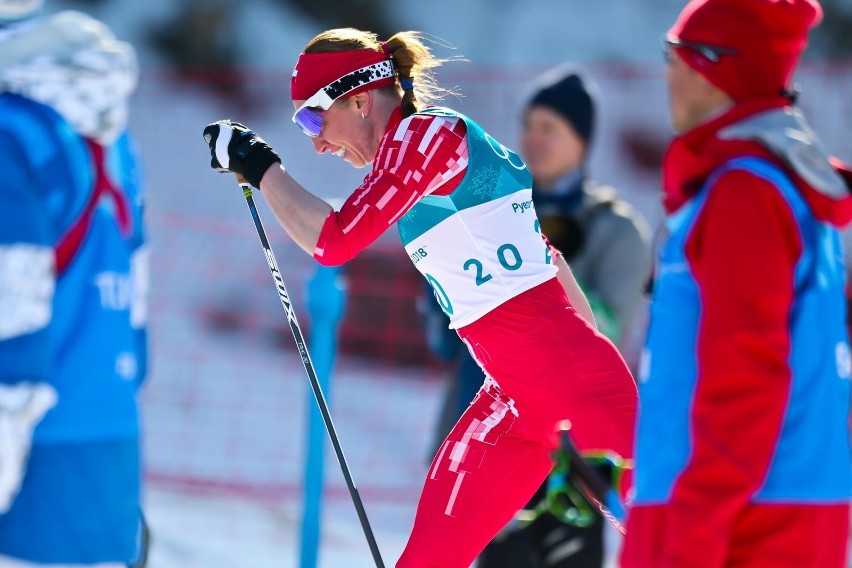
column 312, row 376
column 600, row 494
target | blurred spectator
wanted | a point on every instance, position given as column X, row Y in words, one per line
column 743, row 454
column 72, row 294
column 606, row 244
column 603, row 239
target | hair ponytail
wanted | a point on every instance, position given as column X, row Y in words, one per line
column 413, row 61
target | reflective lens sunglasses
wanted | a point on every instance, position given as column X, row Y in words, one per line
column 711, row 53
column 311, row 113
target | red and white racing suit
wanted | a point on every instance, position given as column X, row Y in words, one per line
column 543, row 362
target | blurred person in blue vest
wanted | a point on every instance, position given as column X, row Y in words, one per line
column 605, row 241
column 743, row 456
column 73, row 278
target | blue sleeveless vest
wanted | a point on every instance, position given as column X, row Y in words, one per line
column 93, row 351
column 811, row 463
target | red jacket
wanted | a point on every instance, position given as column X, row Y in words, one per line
column 742, row 251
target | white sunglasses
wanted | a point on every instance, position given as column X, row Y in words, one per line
column 311, row 113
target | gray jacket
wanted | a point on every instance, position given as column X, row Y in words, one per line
column 614, row 261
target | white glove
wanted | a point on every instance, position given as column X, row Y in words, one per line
column 22, row 406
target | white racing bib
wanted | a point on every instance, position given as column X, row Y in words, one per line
column 482, row 256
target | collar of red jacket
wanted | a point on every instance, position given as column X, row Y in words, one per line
column 693, row 156
column 394, row 120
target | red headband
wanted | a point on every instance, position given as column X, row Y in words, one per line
column 316, row 70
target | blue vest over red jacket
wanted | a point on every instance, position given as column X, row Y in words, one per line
column 811, row 458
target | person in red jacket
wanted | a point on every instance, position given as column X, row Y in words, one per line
column 742, row 456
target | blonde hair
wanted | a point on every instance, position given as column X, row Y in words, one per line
column 413, row 61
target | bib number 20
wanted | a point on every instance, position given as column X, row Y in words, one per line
column 509, row 258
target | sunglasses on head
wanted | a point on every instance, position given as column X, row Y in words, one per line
column 711, row 53
column 311, row 113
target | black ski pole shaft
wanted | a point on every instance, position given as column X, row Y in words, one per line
column 603, row 496
column 312, row 376
column 590, row 478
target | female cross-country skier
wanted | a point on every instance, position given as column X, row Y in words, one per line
column 462, row 204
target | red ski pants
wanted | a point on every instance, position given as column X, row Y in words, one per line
column 542, row 365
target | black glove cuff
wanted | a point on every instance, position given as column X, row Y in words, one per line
column 257, row 162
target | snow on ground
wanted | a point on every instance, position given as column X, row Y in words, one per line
column 196, row 530
column 224, row 445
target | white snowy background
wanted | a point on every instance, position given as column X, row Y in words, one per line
column 225, row 404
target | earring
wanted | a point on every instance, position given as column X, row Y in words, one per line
column 362, row 116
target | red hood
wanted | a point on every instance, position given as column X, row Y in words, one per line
column 759, row 129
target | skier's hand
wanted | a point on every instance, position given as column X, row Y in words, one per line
column 22, row 406
column 236, row 149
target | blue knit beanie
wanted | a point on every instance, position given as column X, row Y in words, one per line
column 571, row 96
